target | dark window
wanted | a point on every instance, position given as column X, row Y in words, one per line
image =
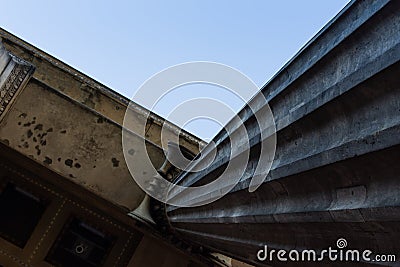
column 80, row 244
column 20, row 213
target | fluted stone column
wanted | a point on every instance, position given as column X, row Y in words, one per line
column 336, row 170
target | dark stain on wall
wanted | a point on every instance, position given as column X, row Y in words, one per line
column 48, row 161
column 115, row 162
column 69, row 162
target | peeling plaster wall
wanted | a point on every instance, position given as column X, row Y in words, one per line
column 71, row 124
column 71, row 140
column 89, row 92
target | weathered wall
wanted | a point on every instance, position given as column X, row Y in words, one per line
column 72, row 124
column 71, row 140
column 87, row 91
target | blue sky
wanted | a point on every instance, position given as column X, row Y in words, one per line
column 123, row 43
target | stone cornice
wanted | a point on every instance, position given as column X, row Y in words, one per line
column 14, row 73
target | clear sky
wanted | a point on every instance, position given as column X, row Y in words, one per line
column 123, row 43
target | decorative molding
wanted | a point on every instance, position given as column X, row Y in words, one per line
column 13, row 77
